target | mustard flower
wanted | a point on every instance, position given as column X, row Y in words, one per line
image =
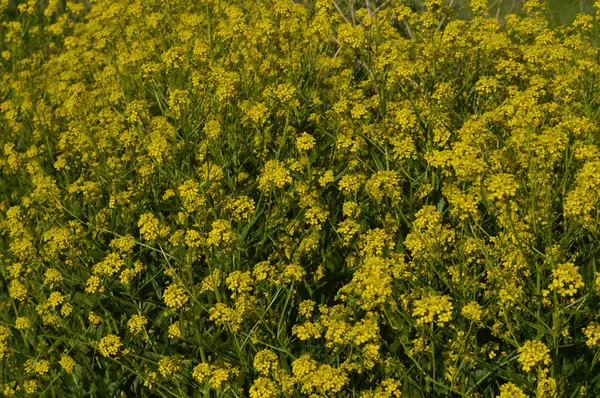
column 110, row 345
column 502, row 186
column 592, row 335
column 263, row 388
column 510, row 390
column 175, row 297
column 136, row 323
column 264, row 361
column 274, row 175
column 433, row 307
column 472, row 311
column 67, row 363
column 533, row 353
column 22, row 322
column 305, row 142
column 566, row 279
column 169, row 366
column 174, row 330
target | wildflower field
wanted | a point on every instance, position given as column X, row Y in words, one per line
column 311, row 198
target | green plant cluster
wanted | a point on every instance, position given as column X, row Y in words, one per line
column 268, row 198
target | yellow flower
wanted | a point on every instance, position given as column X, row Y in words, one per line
column 189, row 191
column 305, row 142
column 193, row 238
column 592, row 334
column 221, row 234
column 431, row 306
column 546, row 386
column 124, row 244
column 136, row 323
column 52, row 277
column 383, row 184
column 306, row 331
column 150, row 228
column 241, row 208
column 472, row 311
column 597, row 283
column 264, row 361
column 273, row 175
column 533, row 353
column 110, row 345
column 22, row 322
column 30, row 386
column 219, row 375
column 174, row 330
column 17, row 290
column 239, row 282
column 212, row 128
column 478, row 6
column 169, row 366
column 175, row 297
column 40, row 367
column 9, row 388
column 94, row 319
column 306, row 308
column 93, row 284
column 502, row 186
column 150, row 379
column 263, row 388
column 67, row 363
column 351, row 36
column 56, row 298
column 202, row 372
column 315, row 377
column 510, row 390
column 566, row 279
column 292, row 273
column 326, row 178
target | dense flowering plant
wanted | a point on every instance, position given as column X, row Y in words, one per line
column 276, row 198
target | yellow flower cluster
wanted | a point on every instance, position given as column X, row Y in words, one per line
column 22, row 323
column 372, row 283
column 174, row 331
column 175, row 297
column 432, row 308
column 305, row 142
column 95, row 319
column 169, row 366
column 52, row 277
column 215, row 375
column 241, row 208
column 150, row 228
column 318, row 378
column 511, row 390
column 110, row 345
column 502, row 186
column 41, row 367
column 17, row 290
column 592, row 335
column 546, row 386
column 383, row 184
column 472, row 311
column 221, row 234
column 305, row 189
column 264, row 388
column 264, row 361
column 189, row 191
column 274, row 175
column 67, row 363
column 136, row 323
column 566, row 279
column 533, row 353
